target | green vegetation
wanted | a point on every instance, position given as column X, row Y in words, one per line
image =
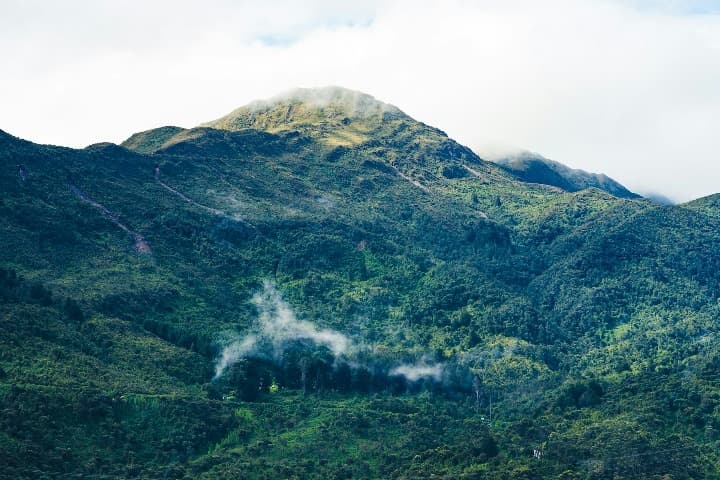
column 576, row 323
column 529, row 167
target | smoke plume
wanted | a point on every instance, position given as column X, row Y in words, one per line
column 421, row 369
column 234, row 352
column 277, row 325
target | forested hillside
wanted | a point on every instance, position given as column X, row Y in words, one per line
column 529, row 167
column 319, row 286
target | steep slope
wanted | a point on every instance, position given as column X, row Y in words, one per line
column 374, row 300
column 529, row 167
column 150, row 141
column 339, row 121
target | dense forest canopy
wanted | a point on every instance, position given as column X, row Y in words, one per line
column 319, row 286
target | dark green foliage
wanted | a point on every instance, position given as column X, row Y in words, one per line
column 576, row 323
column 533, row 168
column 72, row 310
column 453, row 171
column 336, row 153
column 580, row 394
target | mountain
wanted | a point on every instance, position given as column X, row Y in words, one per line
column 319, row 286
column 332, row 109
column 529, row 167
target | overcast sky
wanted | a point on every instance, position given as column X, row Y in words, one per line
column 630, row 88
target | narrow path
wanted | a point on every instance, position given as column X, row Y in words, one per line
column 478, row 175
column 139, row 242
column 411, row 180
column 475, row 172
column 189, row 200
column 184, row 197
column 487, row 176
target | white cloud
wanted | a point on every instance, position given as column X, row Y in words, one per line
column 419, row 371
column 626, row 88
column 277, row 326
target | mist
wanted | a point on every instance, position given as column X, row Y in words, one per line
column 277, row 330
column 419, row 370
column 278, row 323
column 358, row 103
column 277, row 326
column 234, row 352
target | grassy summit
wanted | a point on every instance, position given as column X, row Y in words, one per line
column 337, row 115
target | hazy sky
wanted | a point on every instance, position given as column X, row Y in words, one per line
column 630, row 88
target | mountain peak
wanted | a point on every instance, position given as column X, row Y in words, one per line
column 353, row 102
column 301, row 106
column 330, row 116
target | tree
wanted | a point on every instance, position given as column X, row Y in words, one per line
column 476, row 384
column 72, row 310
column 304, row 370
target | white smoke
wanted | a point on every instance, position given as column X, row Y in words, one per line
column 414, row 372
column 234, row 352
column 277, row 325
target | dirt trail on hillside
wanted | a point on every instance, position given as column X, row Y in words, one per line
column 189, row 200
column 411, row 180
column 184, row 197
column 487, row 176
column 140, row 244
column 475, row 172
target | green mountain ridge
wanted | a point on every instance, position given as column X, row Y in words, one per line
column 529, row 167
column 578, row 323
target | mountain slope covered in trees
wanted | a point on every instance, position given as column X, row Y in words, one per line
column 529, row 167
column 319, row 286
